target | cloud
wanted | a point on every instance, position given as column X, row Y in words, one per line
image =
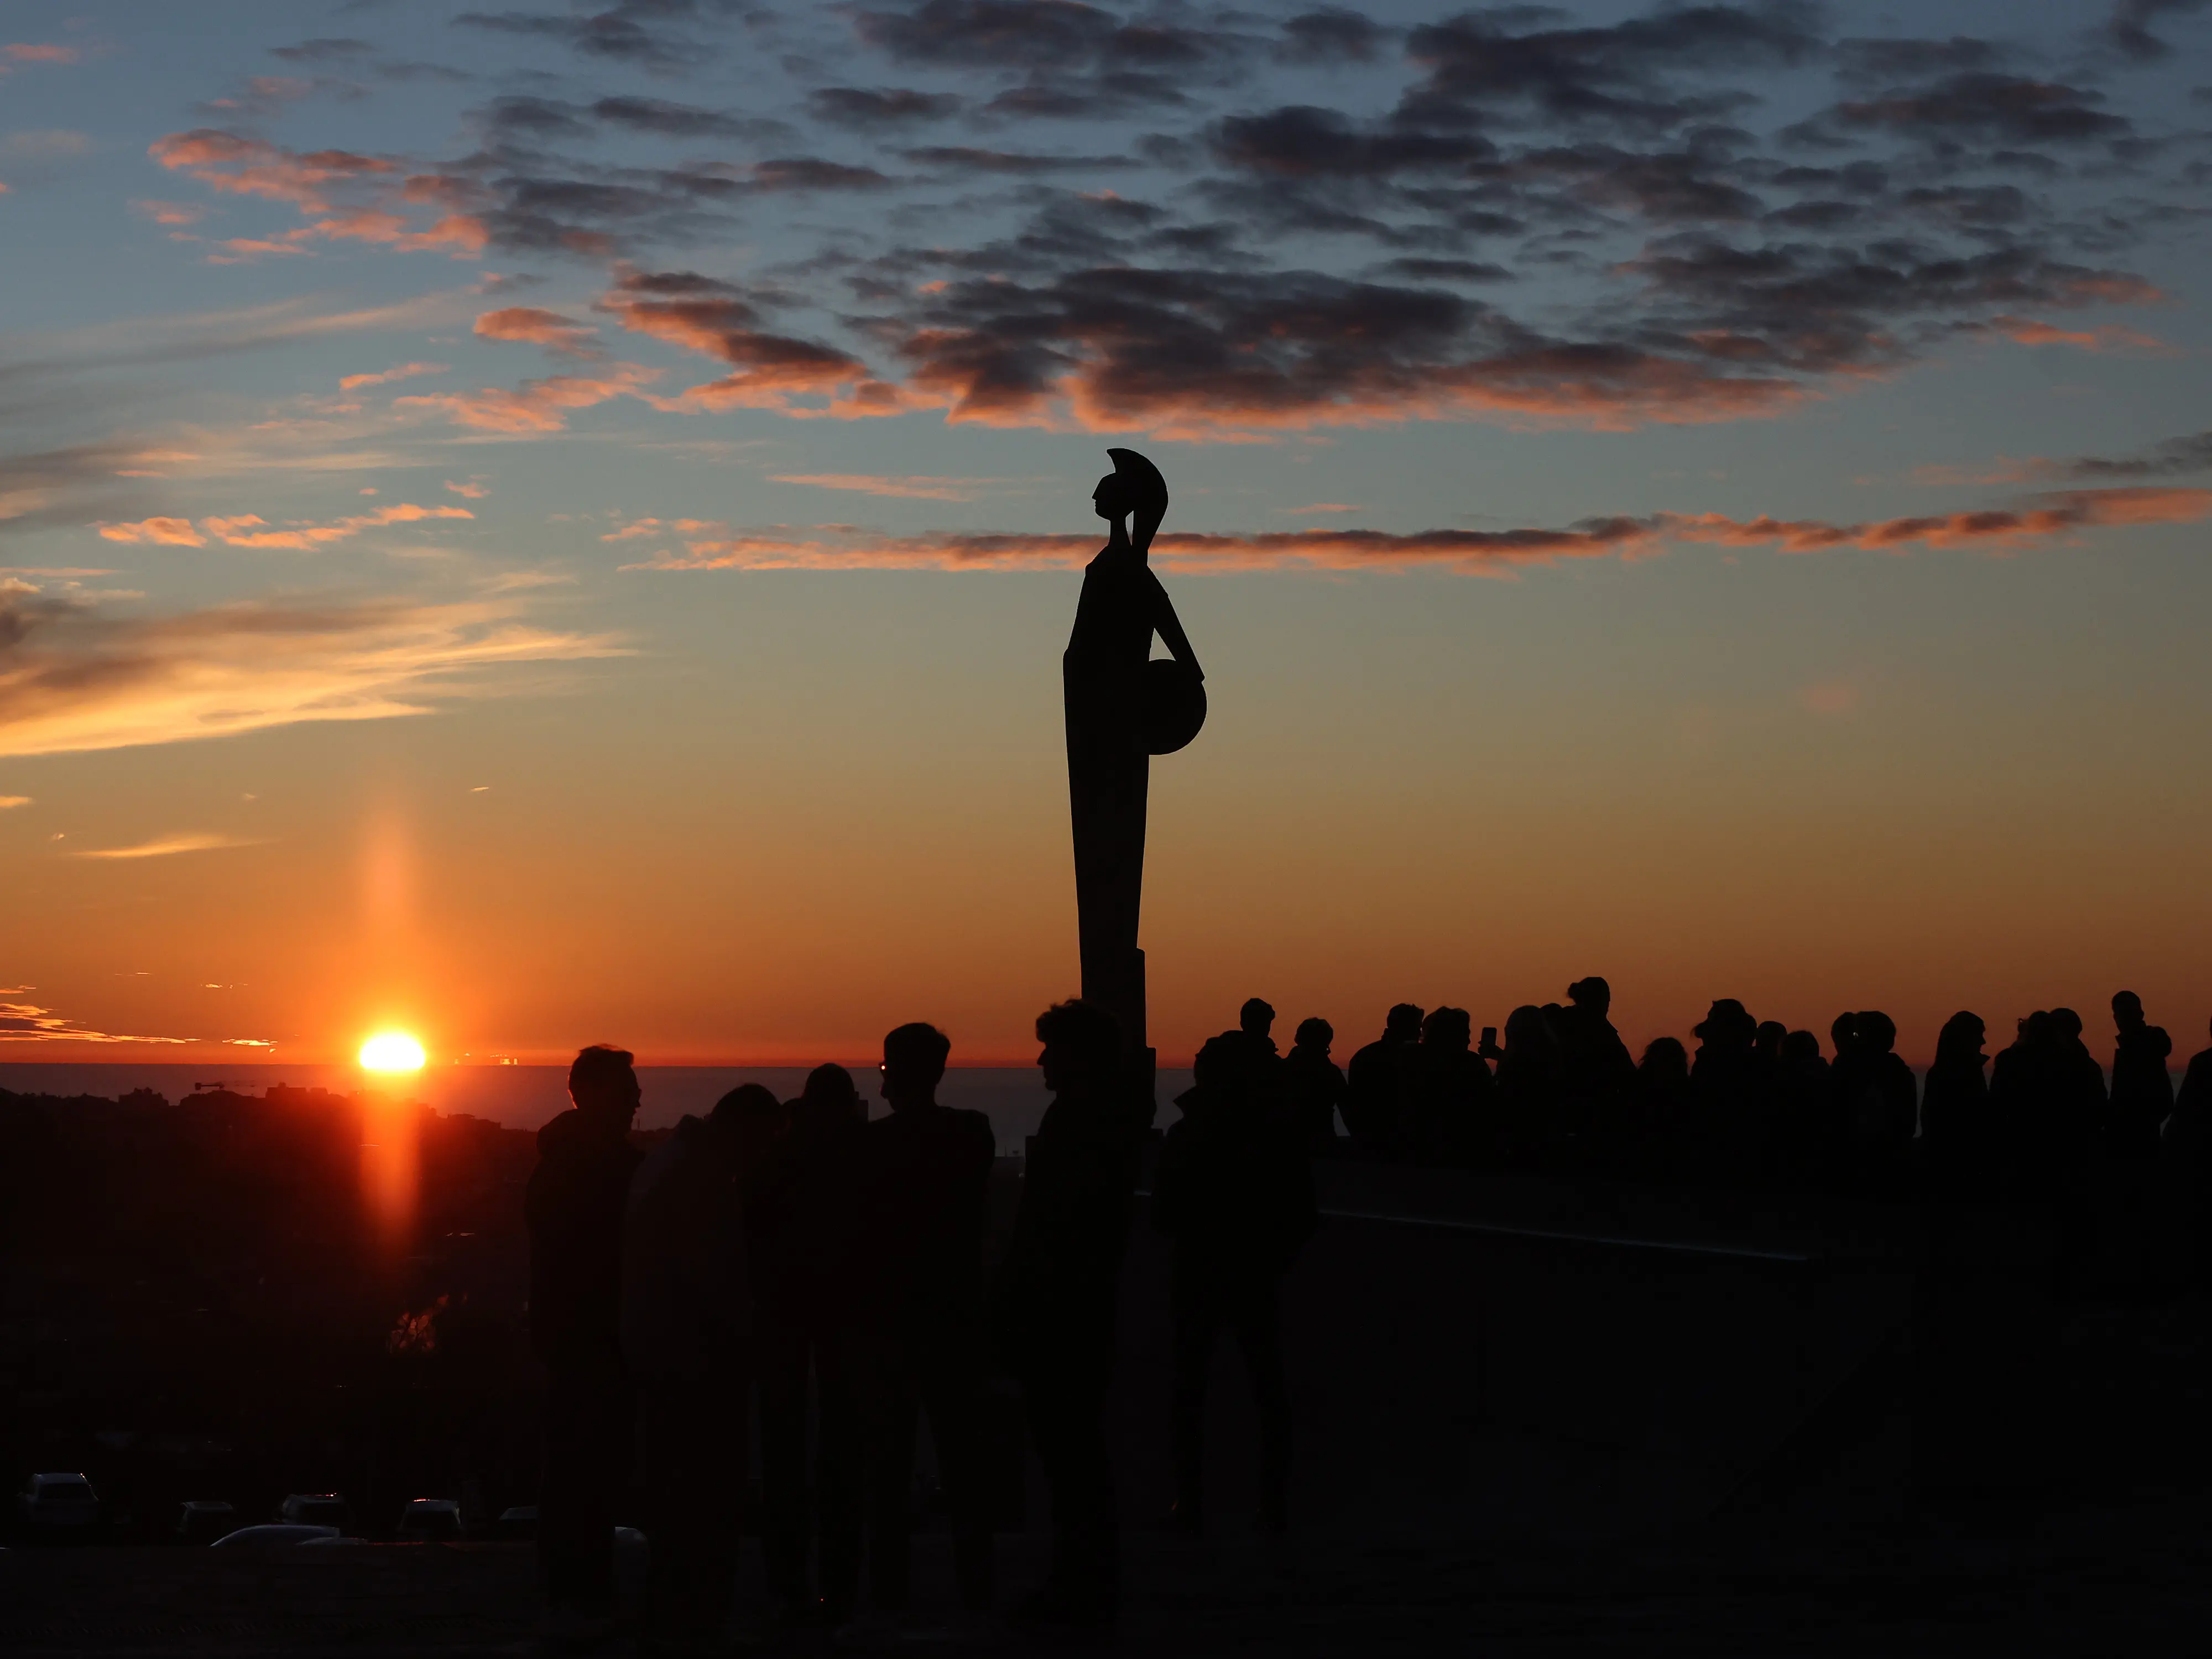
column 312, row 180
column 27, row 1021
column 163, row 846
column 2027, row 330
column 990, row 34
column 323, row 50
column 386, row 377
column 2173, row 457
column 870, row 484
column 669, row 120
column 2129, row 26
column 251, row 529
column 475, row 490
column 9, row 802
column 170, row 213
column 709, row 545
column 2002, row 108
column 769, row 370
column 625, row 32
column 1299, row 265
column 1185, row 350
column 862, row 107
column 76, row 677
column 1330, row 35
column 158, row 532
column 239, row 166
column 1484, row 64
column 535, row 406
column 28, row 52
column 960, row 158
column 533, row 326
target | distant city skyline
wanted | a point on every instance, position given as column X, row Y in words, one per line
column 551, row 524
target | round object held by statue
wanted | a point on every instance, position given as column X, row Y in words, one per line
column 1174, row 705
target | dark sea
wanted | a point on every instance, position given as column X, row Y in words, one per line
column 524, row 1096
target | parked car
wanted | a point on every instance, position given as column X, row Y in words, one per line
column 318, row 1508
column 203, row 1520
column 430, row 1520
column 272, row 1535
column 58, row 1506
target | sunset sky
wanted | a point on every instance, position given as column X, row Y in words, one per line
column 550, row 524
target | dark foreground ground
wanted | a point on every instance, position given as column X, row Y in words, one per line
column 2130, row 1584
column 1532, row 1417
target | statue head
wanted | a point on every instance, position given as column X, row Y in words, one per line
column 1133, row 489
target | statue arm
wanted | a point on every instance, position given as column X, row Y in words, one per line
column 1169, row 627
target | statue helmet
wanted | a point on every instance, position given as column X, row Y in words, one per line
column 1148, row 493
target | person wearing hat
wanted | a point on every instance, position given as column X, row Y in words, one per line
column 1111, row 713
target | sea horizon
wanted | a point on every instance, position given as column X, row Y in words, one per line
column 524, row 1096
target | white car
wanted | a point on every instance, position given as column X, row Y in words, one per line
column 59, row 1502
column 275, row 1535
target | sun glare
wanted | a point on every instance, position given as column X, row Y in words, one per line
column 392, row 1051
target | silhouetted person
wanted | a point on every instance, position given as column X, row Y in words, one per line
column 1957, row 1139
column 1054, row 1313
column 1597, row 1077
column 1528, row 1093
column 1664, row 1140
column 929, row 1177
column 1726, row 1077
column 686, row 1317
column 2024, row 1106
column 1374, row 1085
column 1234, row 1192
column 1448, row 1092
column 1313, row 1086
column 2082, row 1086
column 2189, row 1138
column 2143, row 1089
column 2189, row 1127
column 1804, row 1107
column 1256, row 1020
column 573, row 1208
column 1102, row 675
column 806, row 1267
column 1766, row 1050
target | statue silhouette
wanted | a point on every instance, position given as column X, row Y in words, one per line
column 1121, row 709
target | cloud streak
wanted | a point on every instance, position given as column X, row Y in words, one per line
column 75, row 678
column 711, row 545
column 165, row 846
column 251, row 530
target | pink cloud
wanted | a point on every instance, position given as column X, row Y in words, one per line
column 21, row 52
column 251, row 530
column 247, row 167
column 170, row 213
column 532, row 325
column 708, row 545
column 872, row 484
column 309, row 181
column 2028, row 331
column 474, row 491
column 536, row 405
column 403, row 372
column 164, row 533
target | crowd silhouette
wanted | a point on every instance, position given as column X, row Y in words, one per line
column 833, row 1267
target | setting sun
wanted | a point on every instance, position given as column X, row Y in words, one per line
column 392, row 1051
